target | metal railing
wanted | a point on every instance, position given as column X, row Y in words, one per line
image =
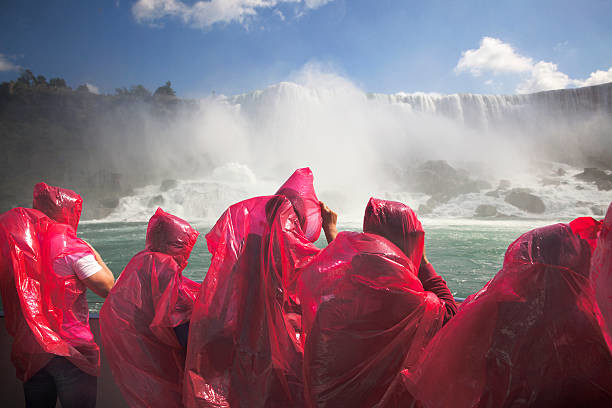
column 96, row 315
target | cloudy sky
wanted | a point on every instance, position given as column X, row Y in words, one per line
column 234, row 46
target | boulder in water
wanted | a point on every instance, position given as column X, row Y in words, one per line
column 502, row 187
column 598, row 210
column 600, row 178
column 442, row 182
column 504, row 184
column 156, row 201
column 486, row 210
column 167, row 185
column 550, row 182
column 524, row 200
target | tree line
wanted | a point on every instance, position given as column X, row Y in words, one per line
column 28, row 81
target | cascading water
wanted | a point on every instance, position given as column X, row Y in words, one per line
column 360, row 144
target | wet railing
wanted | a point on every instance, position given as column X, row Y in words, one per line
column 95, row 308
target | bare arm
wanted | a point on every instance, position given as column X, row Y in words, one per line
column 330, row 219
column 102, row 281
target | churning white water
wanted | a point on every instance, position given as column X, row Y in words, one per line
column 360, row 145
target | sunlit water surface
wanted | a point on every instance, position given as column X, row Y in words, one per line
column 467, row 253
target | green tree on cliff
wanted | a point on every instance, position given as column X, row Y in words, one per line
column 58, row 83
column 165, row 90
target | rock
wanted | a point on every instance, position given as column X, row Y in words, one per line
column 504, row 185
column 600, row 178
column 156, row 201
column 442, row 182
column 524, row 200
column 561, row 172
column 598, row 210
column 111, row 202
column 486, row 210
column 550, row 182
column 604, row 185
column 167, row 185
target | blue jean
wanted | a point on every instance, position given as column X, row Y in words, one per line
column 60, row 378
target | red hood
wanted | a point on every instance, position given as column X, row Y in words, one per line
column 399, row 224
column 171, row 235
column 59, row 204
column 299, row 189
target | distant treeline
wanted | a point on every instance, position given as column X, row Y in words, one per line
column 101, row 145
column 27, row 82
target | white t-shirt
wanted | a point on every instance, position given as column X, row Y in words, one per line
column 83, row 265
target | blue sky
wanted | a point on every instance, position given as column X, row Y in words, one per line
column 234, row 46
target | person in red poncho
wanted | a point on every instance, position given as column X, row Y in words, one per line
column 45, row 270
column 530, row 338
column 601, row 276
column 368, row 310
column 244, row 348
column 145, row 319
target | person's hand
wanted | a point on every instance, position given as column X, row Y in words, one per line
column 424, row 260
column 330, row 219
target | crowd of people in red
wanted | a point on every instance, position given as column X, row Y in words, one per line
column 279, row 322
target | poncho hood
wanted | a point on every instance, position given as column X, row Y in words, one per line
column 299, row 189
column 171, row 235
column 399, row 224
column 59, row 204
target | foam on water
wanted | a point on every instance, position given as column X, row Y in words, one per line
column 359, row 145
column 205, row 200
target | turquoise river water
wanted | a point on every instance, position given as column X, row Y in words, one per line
column 467, row 253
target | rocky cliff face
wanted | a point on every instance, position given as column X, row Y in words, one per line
column 63, row 137
column 104, row 146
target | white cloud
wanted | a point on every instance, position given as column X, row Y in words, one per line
column 7, row 65
column 313, row 4
column 597, row 77
column 280, row 14
column 544, row 76
column 496, row 57
column 493, row 55
column 93, row 89
column 203, row 14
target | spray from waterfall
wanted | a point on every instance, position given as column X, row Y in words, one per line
column 225, row 148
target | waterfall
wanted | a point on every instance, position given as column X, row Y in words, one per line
column 360, row 145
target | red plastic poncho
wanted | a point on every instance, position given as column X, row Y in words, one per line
column 366, row 317
column 399, row 224
column 46, row 313
column 243, row 349
column 59, row 204
column 601, row 276
column 529, row 338
column 299, row 189
column 150, row 298
column 588, row 229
